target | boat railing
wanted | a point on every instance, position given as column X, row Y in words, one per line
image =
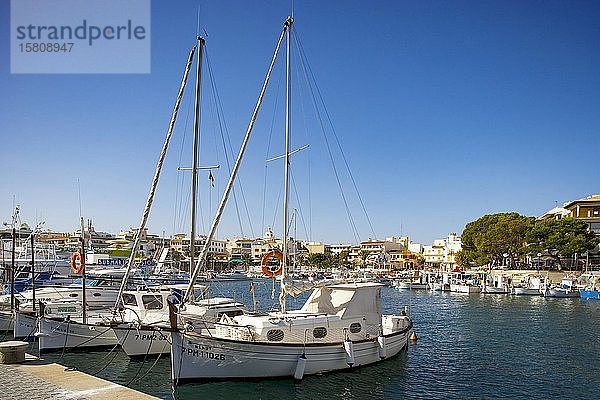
column 233, row 331
column 228, row 329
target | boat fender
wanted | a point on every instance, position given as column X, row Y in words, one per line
column 413, row 337
column 349, row 348
column 382, row 350
column 300, row 366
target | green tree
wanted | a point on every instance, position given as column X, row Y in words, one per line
column 488, row 239
column 302, row 259
column 318, row 260
column 342, row 259
column 176, row 256
column 419, row 260
column 363, row 256
column 246, row 260
column 561, row 238
column 461, row 258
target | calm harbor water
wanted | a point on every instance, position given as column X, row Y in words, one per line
column 470, row 346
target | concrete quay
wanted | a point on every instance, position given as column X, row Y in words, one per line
column 36, row 379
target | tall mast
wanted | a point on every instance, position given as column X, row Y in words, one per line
column 203, row 254
column 195, row 155
column 33, row 269
column 12, row 258
column 83, row 294
column 288, row 90
column 3, row 263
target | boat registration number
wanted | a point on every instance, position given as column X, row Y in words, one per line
column 203, row 352
column 150, row 336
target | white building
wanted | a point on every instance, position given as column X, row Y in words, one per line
column 442, row 253
column 378, row 251
column 338, row 248
column 181, row 243
column 453, row 246
column 415, row 247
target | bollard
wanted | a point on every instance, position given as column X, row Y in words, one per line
column 12, row 352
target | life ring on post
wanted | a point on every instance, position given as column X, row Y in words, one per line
column 77, row 263
column 272, row 270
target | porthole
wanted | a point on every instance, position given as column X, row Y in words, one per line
column 355, row 327
column 275, row 335
column 320, row 332
column 73, row 294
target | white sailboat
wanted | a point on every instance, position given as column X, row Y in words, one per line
column 100, row 293
column 146, row 312
column 7, row 316
column 146, row 331
column 94, row 331
column 339, row 327
column 26, row 319
column 75, row 332
column 80, row 328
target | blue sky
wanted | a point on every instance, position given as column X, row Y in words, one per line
column 446, row 111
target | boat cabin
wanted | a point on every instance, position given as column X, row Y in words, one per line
column 330, row 314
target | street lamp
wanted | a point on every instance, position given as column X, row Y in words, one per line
column 538, row 264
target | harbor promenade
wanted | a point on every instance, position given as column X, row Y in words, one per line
column 37, row 379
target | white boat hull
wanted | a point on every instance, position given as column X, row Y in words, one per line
column 199, row 357
column 7, row 320
column 96, row 296
column 465, row 288
column 496, row 290
column 522, row 291
column 439, row 287
column 562, row 293
column 138, row 342
column 402, row 285
column 25, row 325
column 418, row 286
column 57, row 334
column 410, row 285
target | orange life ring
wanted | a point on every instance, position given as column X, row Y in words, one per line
column 77, row 263
column 272, row 270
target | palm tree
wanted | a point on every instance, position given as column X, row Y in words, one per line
column 343, row 258
column 246, row 260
